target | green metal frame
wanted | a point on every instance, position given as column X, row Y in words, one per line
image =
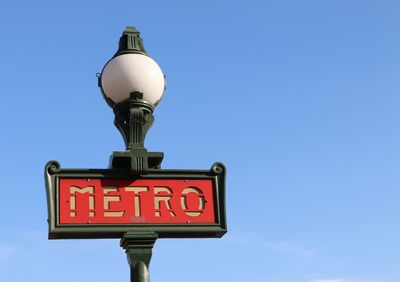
column 53, row 172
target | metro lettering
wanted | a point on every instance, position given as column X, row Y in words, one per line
column 98, row 201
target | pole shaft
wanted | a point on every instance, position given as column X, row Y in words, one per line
column 138, row 248
column 140, row 272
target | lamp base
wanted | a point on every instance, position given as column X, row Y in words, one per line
column 123, row 160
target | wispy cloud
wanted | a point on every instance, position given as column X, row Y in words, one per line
column 289, row 247
column 331, row 280
column 6, row 251
column 282, row 247
column 338, row 280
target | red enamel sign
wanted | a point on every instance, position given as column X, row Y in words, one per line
column 118, row 201
column 107, row 203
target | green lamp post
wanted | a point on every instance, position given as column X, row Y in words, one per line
column 132, row 84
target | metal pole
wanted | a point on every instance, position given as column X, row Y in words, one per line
column 140, row 272
column 138, row 247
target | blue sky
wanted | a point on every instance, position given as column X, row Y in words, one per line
column 298, row 98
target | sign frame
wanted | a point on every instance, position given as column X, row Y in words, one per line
column 53, row 173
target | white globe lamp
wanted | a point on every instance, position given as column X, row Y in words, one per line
column 132, row 83
column 131, row 70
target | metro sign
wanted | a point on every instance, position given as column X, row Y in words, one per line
column 104, row 203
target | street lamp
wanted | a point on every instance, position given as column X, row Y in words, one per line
column 132, row 84
column 134, row 199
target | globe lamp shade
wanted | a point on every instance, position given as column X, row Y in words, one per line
column 132, row 72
